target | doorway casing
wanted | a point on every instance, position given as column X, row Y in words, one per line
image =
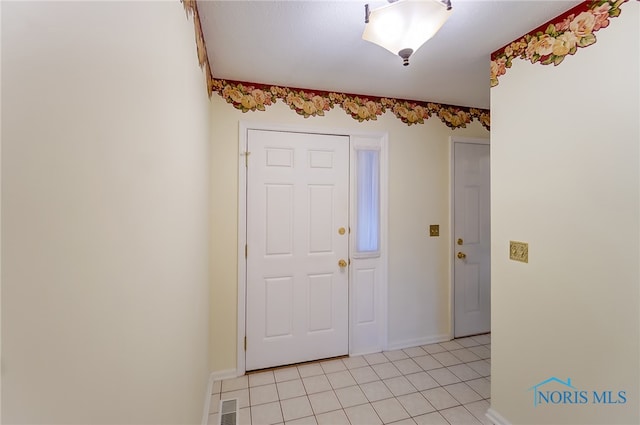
column 366, row 337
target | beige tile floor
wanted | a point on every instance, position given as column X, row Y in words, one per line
column 446, row 383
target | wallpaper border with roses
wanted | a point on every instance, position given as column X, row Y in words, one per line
column 311, row 103
column 558, row 38
column 191, row 8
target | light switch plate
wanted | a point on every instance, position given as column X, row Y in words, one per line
column 434, row 230
column 519, row 251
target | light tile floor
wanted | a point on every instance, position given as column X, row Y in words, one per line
column 446, row 383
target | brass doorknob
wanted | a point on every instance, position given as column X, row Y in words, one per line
column 342, row 263
column 462, row 255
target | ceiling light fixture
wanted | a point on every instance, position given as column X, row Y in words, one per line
column 402, row 26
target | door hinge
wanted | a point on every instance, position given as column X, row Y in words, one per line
column 245, row 343
column 246, row 158
column 246, row 250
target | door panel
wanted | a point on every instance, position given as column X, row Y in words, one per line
column 365, row 284
column 297, row 295
column 472, row 274
column 319, row 303
column 320, row 219
column 279, row 219
column 278, row 307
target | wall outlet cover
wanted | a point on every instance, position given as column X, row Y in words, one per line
column 434, row 230
column 519, row 251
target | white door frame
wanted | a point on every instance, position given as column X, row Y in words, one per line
column 381, row 306
column 452, row 141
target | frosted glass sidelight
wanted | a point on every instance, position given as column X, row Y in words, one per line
column 367, row 201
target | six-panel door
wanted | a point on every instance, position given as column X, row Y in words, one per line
column 297, row 293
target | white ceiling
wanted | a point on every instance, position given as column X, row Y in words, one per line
column 318, row 45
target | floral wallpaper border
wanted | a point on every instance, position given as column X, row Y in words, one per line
column 558, row 38
column 311, row 103
column 191, row 8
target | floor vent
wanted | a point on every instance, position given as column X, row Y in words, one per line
column 228, row 412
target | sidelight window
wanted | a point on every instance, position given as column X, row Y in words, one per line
column 367, row 235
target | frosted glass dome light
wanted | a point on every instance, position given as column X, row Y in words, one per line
column 403, row 26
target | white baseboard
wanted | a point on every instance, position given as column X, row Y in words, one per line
column 418, row 341
column 224, row 374
column 207, row 401
column 496, row 417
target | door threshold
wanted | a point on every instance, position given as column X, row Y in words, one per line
column 469, row 336
column 269, row 369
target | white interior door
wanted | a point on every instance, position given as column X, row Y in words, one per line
column 472, row 239
column 297, row 202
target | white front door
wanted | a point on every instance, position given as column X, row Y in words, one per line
column 472, row 239
column 297, row 204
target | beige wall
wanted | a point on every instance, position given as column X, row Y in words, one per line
column 418, row 196
column 105, row 214
column 565, row 178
